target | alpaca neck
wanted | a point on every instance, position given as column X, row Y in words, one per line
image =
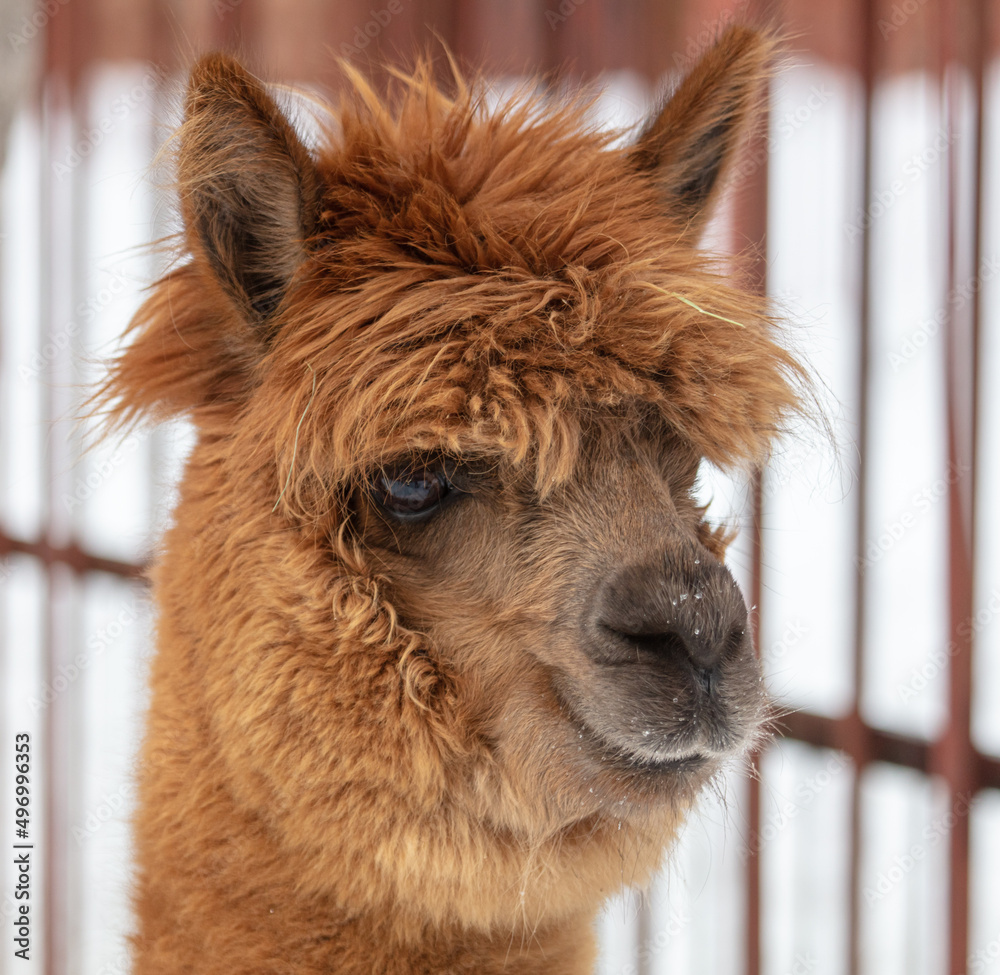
column 217, row 892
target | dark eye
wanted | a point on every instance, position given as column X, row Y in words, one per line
column 409, row 493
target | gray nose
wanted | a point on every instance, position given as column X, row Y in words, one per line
column 686, row 606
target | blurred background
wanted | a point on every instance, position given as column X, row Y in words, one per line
column 869, row 839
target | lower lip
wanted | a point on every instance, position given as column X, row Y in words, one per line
column 640, row 761
column 690, row 763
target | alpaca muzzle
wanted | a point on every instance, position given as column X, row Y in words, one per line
column 672, row 679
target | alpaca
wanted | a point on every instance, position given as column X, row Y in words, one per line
column 445, row 648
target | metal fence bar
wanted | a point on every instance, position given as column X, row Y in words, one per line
column 953, row 752
column 52, row 852
column 854, row 736
column 883, row 746
column 72, row 555
column 750, row 227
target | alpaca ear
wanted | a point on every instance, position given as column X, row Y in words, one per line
column 248, row 186
column 687, row 144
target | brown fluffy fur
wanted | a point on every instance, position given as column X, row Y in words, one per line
column 379, row 746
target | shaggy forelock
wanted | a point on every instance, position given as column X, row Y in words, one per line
column 475, row 282
column 480, row 283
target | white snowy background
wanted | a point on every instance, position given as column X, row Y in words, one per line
column 77, row 209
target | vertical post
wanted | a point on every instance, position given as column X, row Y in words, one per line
column 750, row 229
column 858, row 741
column 952, row 756
column 53, row 89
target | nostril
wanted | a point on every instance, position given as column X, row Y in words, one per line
column 668, row 643
column 672, row 644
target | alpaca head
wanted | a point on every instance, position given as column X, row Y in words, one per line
column 465, row 366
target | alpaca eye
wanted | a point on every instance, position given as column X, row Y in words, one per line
column 410, row 493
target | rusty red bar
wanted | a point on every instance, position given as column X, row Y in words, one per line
column 952, row 754
column 854, row 735
column 72, row 556
column 882, row 746
column 52, row 851
column 750, row 228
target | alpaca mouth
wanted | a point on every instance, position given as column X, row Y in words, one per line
column 647, row 750
column 636, row 720
column 648, row 759
column 654, row 754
